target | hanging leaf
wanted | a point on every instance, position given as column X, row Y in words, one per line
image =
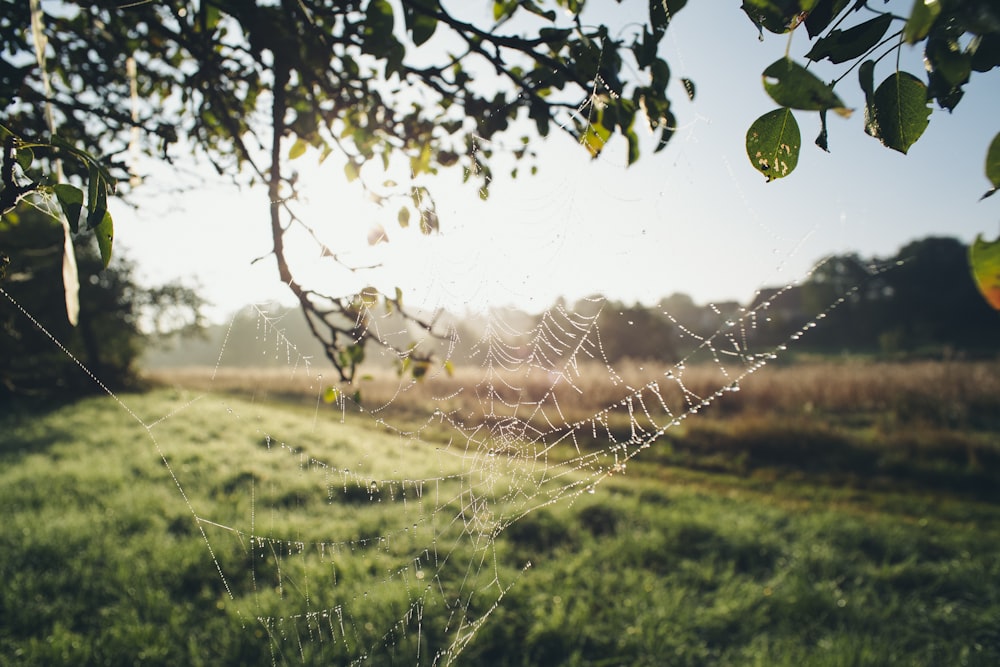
column 97, row 198
column 420, row 25
column 899, row 111
column 661, row 13
column 822, row 140
column 984, row 258
column 777, row 16
column 24, row 158
column 993, row 165
column 922, row 17
column 351, row 171
column 839, row 46
column 773, row 143
column 369, row 297
column 792, row 85
column 70, row 200
column 822, row 14
column 105, row 232
column 688, row 88
column 595, row 136
column 298, row 149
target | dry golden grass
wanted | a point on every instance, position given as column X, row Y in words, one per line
column 942, row 393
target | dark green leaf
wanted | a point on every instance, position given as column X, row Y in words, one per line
column 773, row 142
column 420, row 26
column 97, row 198
column 842, row 45
column 661, row 13
column 793, row 86
column 823, row 14
column 899, row 111
column 823, row 139
column 645, row 51
column 777, row 16
column 688, row 88
column 24, row 158
column 105, row 233
column 866, row 79
column 669, row 127
column 985, row 50
column 633, row 146
column 922, row 17
column 948, row 69
column 659, row 72
column 70, row 200
column 993, row 165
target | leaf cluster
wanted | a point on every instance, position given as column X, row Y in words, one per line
column 958, row 39
column 20, row 179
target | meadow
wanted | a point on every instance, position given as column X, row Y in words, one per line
column 825, row 514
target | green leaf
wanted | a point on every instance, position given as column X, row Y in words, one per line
column 70, row 200
column 822, row 140
column 596, row 135
column 105, row 233
column 352, row 171
column 24, row 158
column 985, row 50
column 97, row 198
column 331, row 395
column 792, row 85
column 688, row 88
column 777, row 16
column 842, row 45
column 404, row 217
column 298, row 149
column 866, row 79
column 661, row 13
column 773, row 143
column 633, row 146
column 420, row 26
column 984, row 260
column 922, row 17
column 948, row 69
column 993, row 165
column 822, row 14
column 899, row 111
column 369, row 297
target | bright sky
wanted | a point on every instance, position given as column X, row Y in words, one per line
column 694, row 218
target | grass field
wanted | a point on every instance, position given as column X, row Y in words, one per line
column 820, row 516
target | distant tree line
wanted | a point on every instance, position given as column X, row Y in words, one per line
column 921, row 302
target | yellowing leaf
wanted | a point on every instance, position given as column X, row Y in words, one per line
column 984, row 258
column 298, row 149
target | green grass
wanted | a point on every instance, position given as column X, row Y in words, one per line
column 727, row 543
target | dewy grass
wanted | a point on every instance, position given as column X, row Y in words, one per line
column 105, row 563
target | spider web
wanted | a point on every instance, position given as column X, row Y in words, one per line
column 368, row 527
